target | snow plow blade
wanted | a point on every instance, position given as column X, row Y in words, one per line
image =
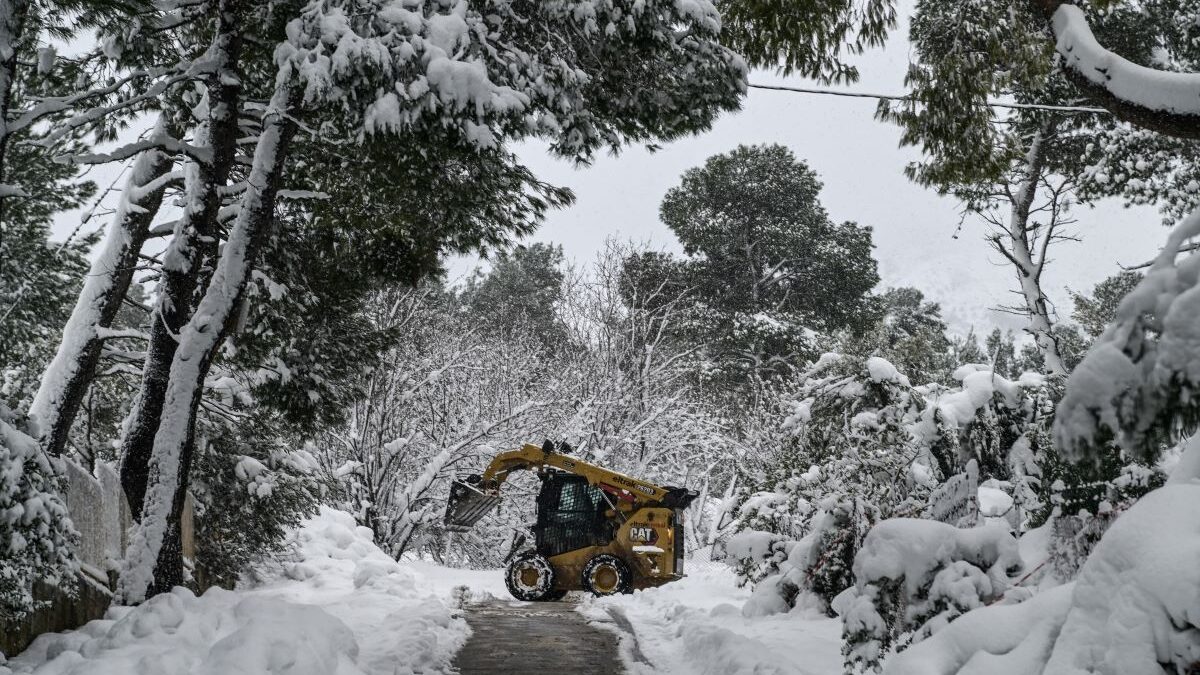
column 467, row 505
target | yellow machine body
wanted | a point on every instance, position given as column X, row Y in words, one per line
column 645, row 521
column 652, row 564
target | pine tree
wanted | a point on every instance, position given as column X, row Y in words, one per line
column 1096, row 311
column 767, row 265
column 805, row 37
column 38, row 283
column 520, row 293
column 911, row 334
column 352, row 107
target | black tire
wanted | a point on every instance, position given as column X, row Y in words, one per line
column 606, row 574
column 530, row 577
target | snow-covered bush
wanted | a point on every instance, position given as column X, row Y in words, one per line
column 865, row 446
column 36, row 534
column 1134, row 608
column 1085, row 501
column 1001, row 424
column 768, row 524
column 1131, row 610
column 850, row 461
column 912, row 577
column 999, row 638
column 251, row 489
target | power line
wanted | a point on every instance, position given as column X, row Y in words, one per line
column 907, row 97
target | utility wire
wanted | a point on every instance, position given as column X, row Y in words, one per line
column 907, row 97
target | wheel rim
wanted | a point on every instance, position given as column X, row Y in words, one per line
column 528, row 576
column 605, row 579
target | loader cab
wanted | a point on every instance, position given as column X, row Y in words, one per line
column 570, row 515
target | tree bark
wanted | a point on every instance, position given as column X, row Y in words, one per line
column 66, row 380
column 193, row 246
column 152, row 560
column 1029, row 271
column 12, row 25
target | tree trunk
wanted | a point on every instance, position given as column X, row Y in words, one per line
column 12, row 25
column 193, row 245
column 1029, row 271
column 71, row 371
column 151, row 561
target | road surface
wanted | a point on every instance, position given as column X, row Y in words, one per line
column 535, row 637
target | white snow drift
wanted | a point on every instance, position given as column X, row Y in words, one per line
column 343, row 607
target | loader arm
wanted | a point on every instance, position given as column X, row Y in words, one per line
column 531, row 457
column 472, row 499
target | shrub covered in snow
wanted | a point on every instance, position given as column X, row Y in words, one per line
column 866, row 446
column 36, row 534
column 1136, row 603
column 1085, row 500
column 845, row 459
column 912, row 577
column 251, row 490
column 1002, row 424
column 1131, row 610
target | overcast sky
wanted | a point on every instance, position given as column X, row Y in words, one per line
column 860, row 163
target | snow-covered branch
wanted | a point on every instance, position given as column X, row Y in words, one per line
column 1166, row 102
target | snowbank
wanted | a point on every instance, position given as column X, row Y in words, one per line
column 1134, row 607
column 342, row 607
column 695, row 627
column 218, row 632
column 1137, row 599
column 996, row 640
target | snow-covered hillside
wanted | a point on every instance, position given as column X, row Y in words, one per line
column 342, row 607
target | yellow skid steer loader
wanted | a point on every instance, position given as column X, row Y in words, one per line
column 596, row 530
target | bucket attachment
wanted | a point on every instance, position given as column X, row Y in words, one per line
column 467, row 504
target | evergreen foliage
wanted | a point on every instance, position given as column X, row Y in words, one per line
column 520, row 292
column 36, row 534
column 806, row 37
column 867, row 446
column 766, row 268
column 1096, row 311
column 39, row 280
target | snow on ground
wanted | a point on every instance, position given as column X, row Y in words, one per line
column 343, row 607
column 695, row 627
